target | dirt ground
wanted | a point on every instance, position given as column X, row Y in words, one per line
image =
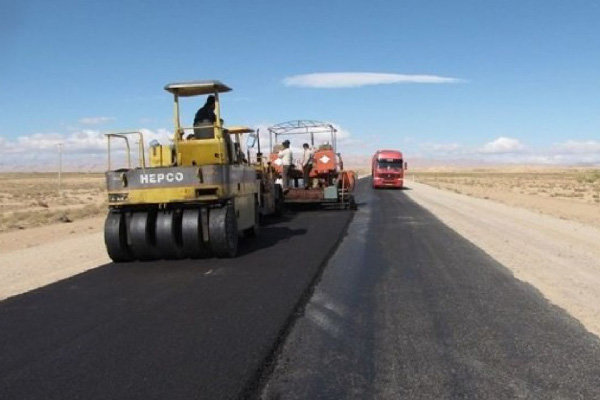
column 33, row 199
column 38, row 256
column 47, row 235
column 567, row 193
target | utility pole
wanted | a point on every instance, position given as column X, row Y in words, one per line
column 60, row 145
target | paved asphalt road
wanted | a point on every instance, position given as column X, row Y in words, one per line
column 164, row 330
column 406, row 308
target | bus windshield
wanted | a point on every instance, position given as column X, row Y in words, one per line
column 393, row 163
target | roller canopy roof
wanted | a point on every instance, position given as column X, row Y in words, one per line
column 196, row 88
column 239, row 129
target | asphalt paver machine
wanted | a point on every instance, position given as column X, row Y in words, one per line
column 329, row 183
column 195, row 198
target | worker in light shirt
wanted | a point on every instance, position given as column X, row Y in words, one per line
column 287, row 160
column 307, row 163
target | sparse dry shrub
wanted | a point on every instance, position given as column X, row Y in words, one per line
column 32, row 199
column 589, row 177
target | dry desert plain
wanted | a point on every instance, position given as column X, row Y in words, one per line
column 33, row 199
column 542, row 224
column 567, row 193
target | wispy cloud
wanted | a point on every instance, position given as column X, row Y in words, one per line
column 95, row 120
column 356, row 79
column 578, row 147
column 503, row 145
column 514, row 151
column 443, row 147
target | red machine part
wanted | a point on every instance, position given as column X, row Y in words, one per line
column 324, row 162
column 347, row 180
column 276, row 162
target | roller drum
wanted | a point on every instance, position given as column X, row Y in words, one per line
column 142, row 229
column 191, row 234
column 222, row 227
column 168, row 234
column 115, row 237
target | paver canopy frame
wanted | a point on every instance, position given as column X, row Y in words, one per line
column 302, row 127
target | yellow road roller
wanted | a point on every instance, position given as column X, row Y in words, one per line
column 196, row 196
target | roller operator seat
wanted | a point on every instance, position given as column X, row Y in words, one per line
column 204, row 130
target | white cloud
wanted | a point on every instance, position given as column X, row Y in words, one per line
column 503, row 145
column 341, row 134
column 357, row 79
column 85, row 149
column 512, row 151
column 578, row 147
column 95, row 120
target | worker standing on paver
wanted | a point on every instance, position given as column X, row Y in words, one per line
column 307, row 163
column 286, row 162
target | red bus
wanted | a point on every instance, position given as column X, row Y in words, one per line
column 387, row 169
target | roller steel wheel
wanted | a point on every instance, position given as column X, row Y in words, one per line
column 222, row 227
column 168, row 234
column 115, row 237
column 142, row 235
column 254, row 229
column 191, row 234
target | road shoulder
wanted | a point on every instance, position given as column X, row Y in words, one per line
column 36, row 257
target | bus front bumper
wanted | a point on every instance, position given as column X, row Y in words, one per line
column 384, row 182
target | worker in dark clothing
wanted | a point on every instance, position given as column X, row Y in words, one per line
column 207, row 112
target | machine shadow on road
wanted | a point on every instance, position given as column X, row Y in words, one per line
column 269, row 236
column 271, row 233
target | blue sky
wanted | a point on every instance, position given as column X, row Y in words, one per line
column 528, row 71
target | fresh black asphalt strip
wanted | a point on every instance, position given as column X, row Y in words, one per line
column 165, row 330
